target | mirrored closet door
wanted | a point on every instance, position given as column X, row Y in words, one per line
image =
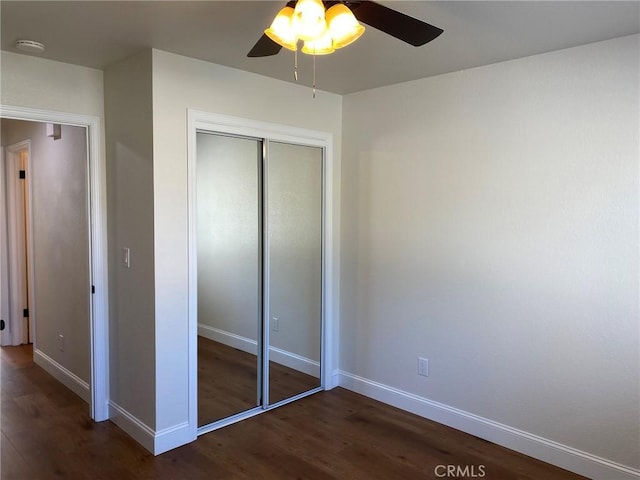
column 259, row 274
column 294, row 274
column 229, row 243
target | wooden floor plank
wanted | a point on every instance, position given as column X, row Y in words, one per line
column 12, row 464
column 46, row 434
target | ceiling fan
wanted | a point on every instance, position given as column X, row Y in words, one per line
column 403, row 27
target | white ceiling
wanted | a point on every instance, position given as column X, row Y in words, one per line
column 97, row 33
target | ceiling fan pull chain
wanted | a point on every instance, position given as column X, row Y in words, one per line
column 314, row 75
column 295, row 65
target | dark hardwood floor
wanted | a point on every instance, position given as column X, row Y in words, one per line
column 227, row 381
column 46, row 434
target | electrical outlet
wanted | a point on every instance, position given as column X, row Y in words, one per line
column 61, row 343
column 423, row 366
column 275, row 324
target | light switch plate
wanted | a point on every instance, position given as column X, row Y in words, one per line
column 126, row 257
column 423, row 366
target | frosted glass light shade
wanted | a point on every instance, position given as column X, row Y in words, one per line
column 308, row 20
column 322, row 46
column 343, row 25
column 281, row 30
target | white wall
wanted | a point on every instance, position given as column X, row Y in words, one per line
column 129, row 139
column 58, row 170
column 180, row 83
column 490, row 223
column 34, row 82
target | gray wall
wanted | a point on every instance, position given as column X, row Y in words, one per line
column 129, row 144
column 490, row 223
column 60, row 234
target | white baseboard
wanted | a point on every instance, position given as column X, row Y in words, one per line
column 63, row 375
column 534, row 446
column 173, row 437
column 282, row 357
column 136, row 428
column 156, row 442
column 335, row 380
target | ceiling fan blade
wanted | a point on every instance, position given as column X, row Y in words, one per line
column 264, row 47
column 397, row 24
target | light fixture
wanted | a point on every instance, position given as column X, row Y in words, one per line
column 343, row 25
column 321, row 46
column 308, row 20
column 30, row 46
column 322, row 31
column 281, row 31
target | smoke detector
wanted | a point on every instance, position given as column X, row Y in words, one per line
column 30, row 46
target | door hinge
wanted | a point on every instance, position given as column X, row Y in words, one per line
column 22, row 174
column 93, row 289
column 25, row 313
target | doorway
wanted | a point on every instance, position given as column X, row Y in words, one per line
column 258, row 268
column 49, row 247
column 55, row 196
column 16, row 245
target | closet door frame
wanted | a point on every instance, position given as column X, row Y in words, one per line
column 199, row 121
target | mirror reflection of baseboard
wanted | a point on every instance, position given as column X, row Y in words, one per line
column 291, row 360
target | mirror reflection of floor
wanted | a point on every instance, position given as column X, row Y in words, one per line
column 228, row 381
